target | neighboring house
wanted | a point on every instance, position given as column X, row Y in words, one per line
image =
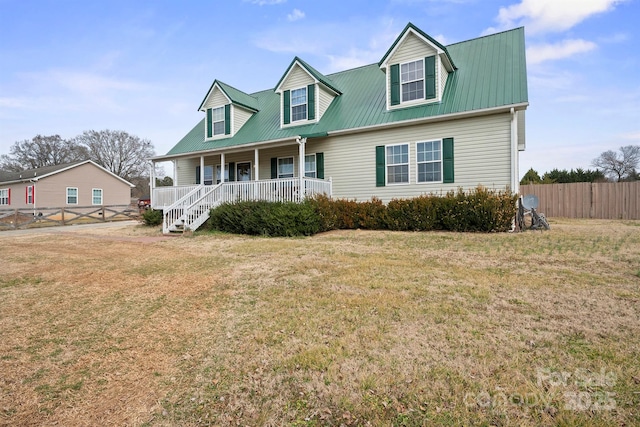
column 427, row 118
column 80, row 184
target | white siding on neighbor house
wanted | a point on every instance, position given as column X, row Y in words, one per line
column 239, row 117
column 297, row 79
column 481, row 156
column 324, row 99
column 522, row 143
column 216, row 99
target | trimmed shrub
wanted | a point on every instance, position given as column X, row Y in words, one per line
column 261, row 218
column 152, row 217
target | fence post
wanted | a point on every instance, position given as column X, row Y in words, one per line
column 15, row 219
column 103, row 220
column 62, row 210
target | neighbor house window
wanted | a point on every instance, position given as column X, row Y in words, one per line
column 429, row 159
column 310, row 166
column 96, row 196
column 72, row 195
column 217, row 117
column 29, row 198
column 299, row 104
column 4, row 197
column 398, row 164
column 412, row 80
column 285, row 167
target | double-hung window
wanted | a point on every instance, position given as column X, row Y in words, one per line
column 217, row 117
column 4, row 197
column 72, row 195
column 226, row 173
column 299, row 104
column 96, row 196
column 29, row 195
column 310, row 169
column 285, row 167
column 429, row 159
column 398, row 164
column 412, row 80
column 208, row 175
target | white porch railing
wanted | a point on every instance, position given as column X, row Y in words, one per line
column 189, row 206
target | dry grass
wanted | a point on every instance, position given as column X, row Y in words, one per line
column 122, row 327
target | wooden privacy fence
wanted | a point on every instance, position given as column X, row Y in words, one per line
column 11, row 219
column 602, row 200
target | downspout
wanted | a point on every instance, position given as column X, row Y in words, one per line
column 152, row 183
column 301, row 153
column 33, row 194
column 515, row 182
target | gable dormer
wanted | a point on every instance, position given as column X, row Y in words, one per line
column 305, row 94
column 417, row 67
column 227, row 110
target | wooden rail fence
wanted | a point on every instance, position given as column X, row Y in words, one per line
column 602, row 200
column 11, row 219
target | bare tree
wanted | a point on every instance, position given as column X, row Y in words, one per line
column 125, row 155
column 619, row 165
column 41, row 151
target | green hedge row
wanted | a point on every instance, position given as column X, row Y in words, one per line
column 480, row 210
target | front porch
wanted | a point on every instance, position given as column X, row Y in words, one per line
column 187, row 207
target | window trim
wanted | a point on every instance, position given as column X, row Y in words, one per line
column 93, row 196
column 213, row 121
column 306, row 105
column 402, row 101
column 293, row 167
column 387, row 164
column 6, row 197
column 315, row 166
column 430, row 161
column 77, row 196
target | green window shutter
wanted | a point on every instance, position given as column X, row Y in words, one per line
column 395, row 84
column 380, row 166
column 232, row 171
column 447, row 160
column 320, row 165
column 197, row 174
column 311, row 102
column 430, row 77
column 227, row 119
column 274, row 167
column 209, row 123
column 286, row 110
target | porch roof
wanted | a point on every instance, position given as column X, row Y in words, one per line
column 491, row 73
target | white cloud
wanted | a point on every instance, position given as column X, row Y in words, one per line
column 295, row 15
column 632, row 136
column 544, row 16
column 564, row 49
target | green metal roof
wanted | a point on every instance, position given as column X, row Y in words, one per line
column 491, row 72
column 235, row 95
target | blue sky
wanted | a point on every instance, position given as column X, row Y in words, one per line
column 144, row 66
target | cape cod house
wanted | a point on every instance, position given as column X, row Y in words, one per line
column 427, row 118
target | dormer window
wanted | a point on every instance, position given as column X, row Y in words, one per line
column 299, row 104
column 218, row 120
column 412, row 79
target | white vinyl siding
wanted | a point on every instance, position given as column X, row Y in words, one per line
column 324, row 100
column 481, row 156
column 239, row 117
column 297, row 78
column 216, row 99
column 441, row 77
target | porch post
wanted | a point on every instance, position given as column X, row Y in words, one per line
column 201, row 170
column 175, row 173
column 152, row 182
column 301, row 151
column 256, row 165
column 221, row 168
